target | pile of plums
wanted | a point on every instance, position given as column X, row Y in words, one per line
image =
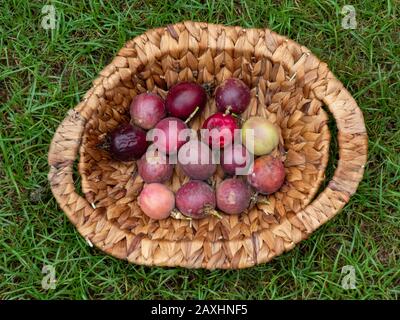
column 165, row 123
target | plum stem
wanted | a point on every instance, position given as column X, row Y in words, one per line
column 211, row 211
column 262, row 200
column 237, row 117
column 255, row 198
column 228, row 110
column 105, row 143
column 192, row 114
column 176, row 214
column 212, row 182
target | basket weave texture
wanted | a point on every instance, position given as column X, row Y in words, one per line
column 289, row 86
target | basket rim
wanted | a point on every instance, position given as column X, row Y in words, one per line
column 352, row 138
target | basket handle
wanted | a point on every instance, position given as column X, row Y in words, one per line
column 353, row 146
column 63, row 152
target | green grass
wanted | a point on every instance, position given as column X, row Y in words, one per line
column 44, row 73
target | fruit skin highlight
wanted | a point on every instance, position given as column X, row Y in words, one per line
column 169, row 141
column 196, row 160
column 154, row 168
column 263, row 135
column 232, row 94
column 146, row 110
column 156, row 201
column 268, row 174
column 233, row 196
column 183, row 99
column 235, row 157
column 127, row 142
column 221, row 129
column 195, row 199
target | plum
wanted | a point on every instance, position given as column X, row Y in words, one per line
column 236, row 159
column 267, row 175
column 154, row 167
column 195, row 199
column 232, row 95
column 147, row 109
column 183, row 99
column 170, row 135
column 219, row 129
column 233, row 196
column 156, row 201
column 127, row 142
column 260, row 134
column 196, row 160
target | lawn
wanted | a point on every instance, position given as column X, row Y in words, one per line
column 43, row 73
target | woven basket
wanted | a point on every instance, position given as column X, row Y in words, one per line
column 289, row 85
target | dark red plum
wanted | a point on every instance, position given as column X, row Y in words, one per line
column 232, row 94
column 195, row 199
column 233, row 196
column 147, row 109
column 127, row 142
column 183, row 99
column 196, row 160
